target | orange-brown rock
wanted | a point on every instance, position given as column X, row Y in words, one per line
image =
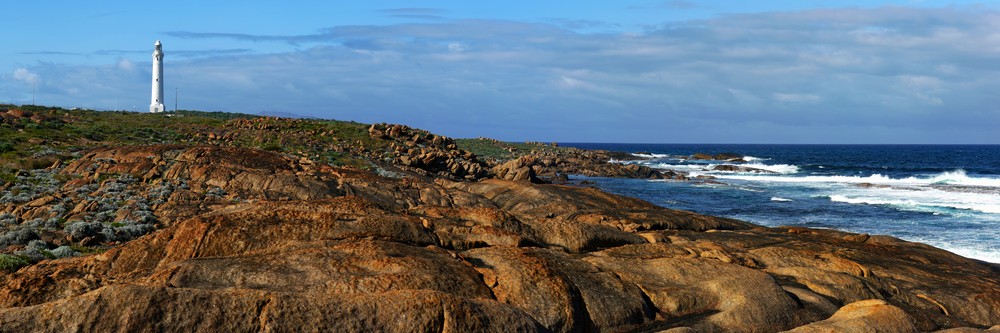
column 427, row 154
column 563, row 293
column 248, row 172
column 295, row 245
column 519, row 169
column 131, row 308
column 592, row 163
column 18, row 113
column 864, row 316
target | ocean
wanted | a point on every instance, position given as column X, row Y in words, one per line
column 947, row 196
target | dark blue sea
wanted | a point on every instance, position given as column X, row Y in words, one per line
column 947, row 196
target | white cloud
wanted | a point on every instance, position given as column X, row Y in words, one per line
column 26, row 76
column 797, row 98
column 917, row 71
column 126, row 65
column 456, row 47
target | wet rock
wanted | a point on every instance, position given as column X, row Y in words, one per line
column 739, row 168
column 728, row 157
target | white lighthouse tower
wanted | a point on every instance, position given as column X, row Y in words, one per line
column 156, row 102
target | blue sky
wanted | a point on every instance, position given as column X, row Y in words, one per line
column 573, row 71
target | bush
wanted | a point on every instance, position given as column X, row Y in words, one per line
column 7, row 177
column 127, row 232
column 271, row 146
column 7, row 218
column 145, row 217
column 38, row 244
column 64, row 252
column 6, row 147
column 389, row 174
column 40, row 223
column 36, row 250
column 106, row 215
column 216, row 192
column 81, row 230
column 33, row 254
column 12, row 263
column 36, row 163
column 20, row 236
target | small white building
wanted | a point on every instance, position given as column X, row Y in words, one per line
column 156, row 101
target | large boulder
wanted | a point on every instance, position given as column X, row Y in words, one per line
column 518, row 169
column 863, row 316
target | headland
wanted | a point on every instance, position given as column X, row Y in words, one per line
column 224, row 222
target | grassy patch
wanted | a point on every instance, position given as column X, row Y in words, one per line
column 60, row 134
column 499, row 150
column 485, row 148
column 7, row 176
column 12, row 263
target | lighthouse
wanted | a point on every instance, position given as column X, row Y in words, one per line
column 156, row 101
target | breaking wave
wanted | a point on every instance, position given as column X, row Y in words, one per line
column 777, row 168
column 643, row 155
column 957, row 177
column 709, row 168
column 947, row 196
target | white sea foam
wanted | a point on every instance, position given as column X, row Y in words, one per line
column 708, row 168
column 873, row 201
column 650, row 155
column 965, row 247
column 925, row 200
column 753, row 158
column 681, row 167
column 984, row 255
column 957, row 177
column 945, row 193
column 778, row 199
column 778, row 168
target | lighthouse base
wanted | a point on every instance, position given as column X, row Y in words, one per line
column 156, row 108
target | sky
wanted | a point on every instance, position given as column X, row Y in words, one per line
column 630, row 71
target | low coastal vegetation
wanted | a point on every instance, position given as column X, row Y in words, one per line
column 32, row 137
column 502, row 151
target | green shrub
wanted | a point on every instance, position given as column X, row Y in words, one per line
column 7, row 177
column 12, row 263
column 48, row 254
column 271, row 146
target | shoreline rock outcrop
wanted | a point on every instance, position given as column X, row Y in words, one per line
column 550, row 166
column 428, row 154
column 287, row 245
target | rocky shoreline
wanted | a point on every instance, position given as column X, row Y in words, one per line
column 436, row 238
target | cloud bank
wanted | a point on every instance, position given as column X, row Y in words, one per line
column 886, row 75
